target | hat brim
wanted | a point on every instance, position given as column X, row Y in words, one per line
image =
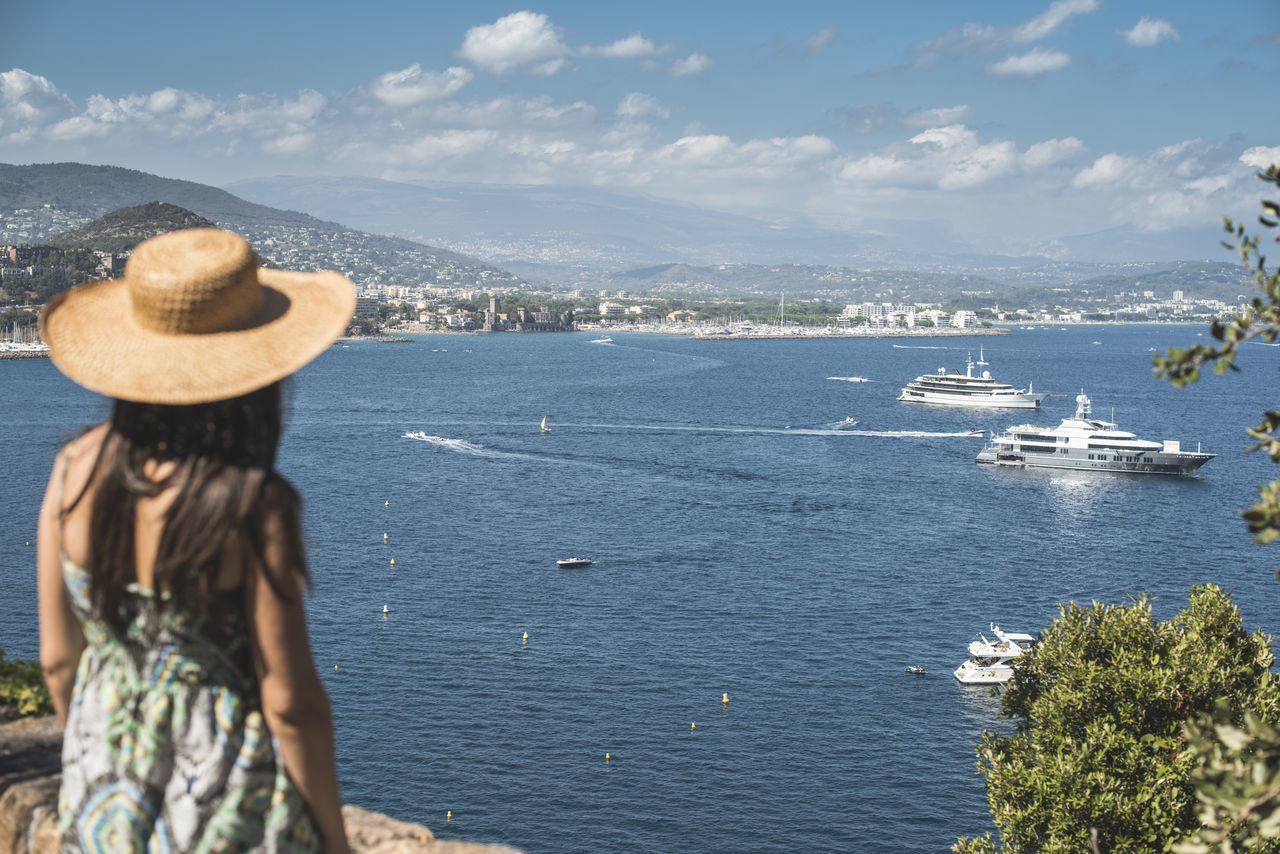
column 94, row 339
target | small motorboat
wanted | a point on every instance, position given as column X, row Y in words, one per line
column 919, row 671
column 573, row 562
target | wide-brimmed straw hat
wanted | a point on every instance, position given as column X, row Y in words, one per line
column 194, row 320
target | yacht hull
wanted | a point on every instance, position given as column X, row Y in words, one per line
column 974, row 401
column 1184, row 465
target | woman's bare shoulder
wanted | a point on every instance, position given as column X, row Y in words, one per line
column 78, row 456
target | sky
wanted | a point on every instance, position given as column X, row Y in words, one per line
column 1007, row 125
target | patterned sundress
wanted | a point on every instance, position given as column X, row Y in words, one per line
column 166, row 748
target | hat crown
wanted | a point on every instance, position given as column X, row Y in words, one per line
column 193, row 282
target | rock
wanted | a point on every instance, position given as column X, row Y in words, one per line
column 31, row 771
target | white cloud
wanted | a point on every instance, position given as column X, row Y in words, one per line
column 936, row 116
column 821, row 40
column 513, row 113
column 949, row 137
column 1038, row 61
column 294, row 143
column 1052, row 151
column 1148, row 33
column 29, row 102
column 413, row 85
column 638, row 105
column 694, row 63
column 714, row 153
column 1260, row 157
column 953, row 157
column 984, row 38
column 519, row 39
column 1190, row 183
column 1050, row 19
column 1107, row 170
column 442, row 146
column 634, row 46
column 884, row 169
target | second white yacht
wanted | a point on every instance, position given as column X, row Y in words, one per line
column 957, row 389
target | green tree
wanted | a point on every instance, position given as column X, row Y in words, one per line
column 1097, row 758
column 1261, row 319
column 22, row 687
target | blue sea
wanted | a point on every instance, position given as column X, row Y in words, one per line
column 745, row 543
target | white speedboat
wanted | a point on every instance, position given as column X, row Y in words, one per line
column 573, row 562
column 956, row 389
column 991, row 661
column 1085, row 443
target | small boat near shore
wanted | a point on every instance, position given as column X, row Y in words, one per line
column 992, row 660
column 573, row 562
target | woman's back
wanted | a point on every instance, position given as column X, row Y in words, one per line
column 166, row 745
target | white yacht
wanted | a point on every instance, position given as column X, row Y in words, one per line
column 1085, row 443
column 956, row 389
column 992, row 660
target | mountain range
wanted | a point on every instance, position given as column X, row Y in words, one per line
column 562, row 232
column 568, row 238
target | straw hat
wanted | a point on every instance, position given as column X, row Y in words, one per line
column 194, row 320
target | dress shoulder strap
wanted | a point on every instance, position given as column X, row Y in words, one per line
column 62, row 495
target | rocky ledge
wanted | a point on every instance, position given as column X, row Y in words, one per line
column 30, row 772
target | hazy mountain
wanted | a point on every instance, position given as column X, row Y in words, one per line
column 42, row 200
column 123, row 229
column 567, row 231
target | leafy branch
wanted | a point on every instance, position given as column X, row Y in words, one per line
column 1260, row 320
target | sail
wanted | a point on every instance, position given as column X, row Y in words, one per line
column 544, row 424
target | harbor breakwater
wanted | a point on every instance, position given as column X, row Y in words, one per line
column 31, row 771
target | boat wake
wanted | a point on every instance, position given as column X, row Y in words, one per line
column 462, row 446
column 917, row 347
column 851, row 379
column 784, row 431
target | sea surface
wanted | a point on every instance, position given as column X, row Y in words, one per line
column 746, row 542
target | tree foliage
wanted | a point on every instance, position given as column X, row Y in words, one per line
column 1261, row 319
column 1098, row 759
column 22, row 687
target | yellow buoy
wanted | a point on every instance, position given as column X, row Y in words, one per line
column 606, row 757
column 725, row 700
column 335, row 667
column 448, row 815
column 526, row 637
column 393, row 561
column 691, row 726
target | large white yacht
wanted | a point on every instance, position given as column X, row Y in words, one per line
column 956, row 389
column 1085, row 443
column 992, row 660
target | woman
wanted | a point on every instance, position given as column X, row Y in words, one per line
column 172, row 632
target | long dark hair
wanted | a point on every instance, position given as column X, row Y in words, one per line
column 224, row 454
